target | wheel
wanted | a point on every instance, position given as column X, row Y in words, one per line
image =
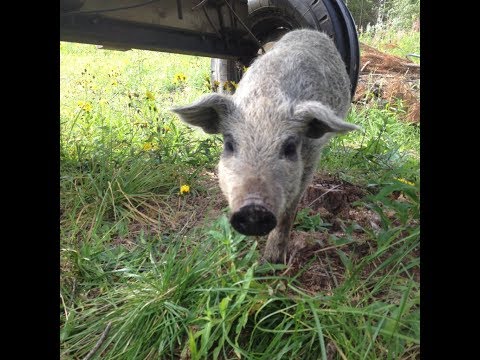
column 268, row 20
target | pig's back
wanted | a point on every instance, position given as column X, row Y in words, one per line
column 302, row 65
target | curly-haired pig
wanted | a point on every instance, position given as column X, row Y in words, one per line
column 289, row 103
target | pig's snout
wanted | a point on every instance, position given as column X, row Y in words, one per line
column 253, row 219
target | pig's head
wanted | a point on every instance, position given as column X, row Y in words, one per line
column 268, row 146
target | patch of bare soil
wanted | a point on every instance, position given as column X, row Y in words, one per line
column 314, row 256
column 373, row 60
column 386, row 79
column 175, row 214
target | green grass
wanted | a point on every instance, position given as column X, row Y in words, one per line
column 173, row 281
column 206, row 296
column 386, row 149
column 394, row 42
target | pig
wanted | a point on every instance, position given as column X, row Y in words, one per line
column 287, row 106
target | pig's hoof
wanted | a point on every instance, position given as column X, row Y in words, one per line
column 269, row 264
column 253, row 220
column 273, row 259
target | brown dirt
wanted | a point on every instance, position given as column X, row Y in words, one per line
column 386, row 79
column 373, row 60
column 176, row 214
column 315, row 256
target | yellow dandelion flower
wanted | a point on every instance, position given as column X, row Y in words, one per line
column 230, row 85
column 215, row 85
column 184, row 189
column 150, row 95
column 149, row 146
column 406, row 181
column 166, row 128
column 85, row 106
column 179, row 78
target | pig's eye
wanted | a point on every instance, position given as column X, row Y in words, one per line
column 289, row 150
column 228, row 147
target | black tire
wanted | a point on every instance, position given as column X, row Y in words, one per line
column 270, row 19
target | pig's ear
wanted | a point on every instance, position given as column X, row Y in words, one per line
column 207, row 112
column 318, row 119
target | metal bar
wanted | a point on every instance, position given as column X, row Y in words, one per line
column 116, row 33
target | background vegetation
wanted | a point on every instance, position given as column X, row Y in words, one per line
column 392, row 14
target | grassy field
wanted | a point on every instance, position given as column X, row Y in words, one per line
column 150, row 267
column 394, row 42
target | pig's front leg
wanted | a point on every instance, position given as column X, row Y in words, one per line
column 276, row 248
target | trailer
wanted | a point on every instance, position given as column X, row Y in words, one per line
column 231, row 32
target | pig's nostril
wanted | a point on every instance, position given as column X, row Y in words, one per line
column 253, row 220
